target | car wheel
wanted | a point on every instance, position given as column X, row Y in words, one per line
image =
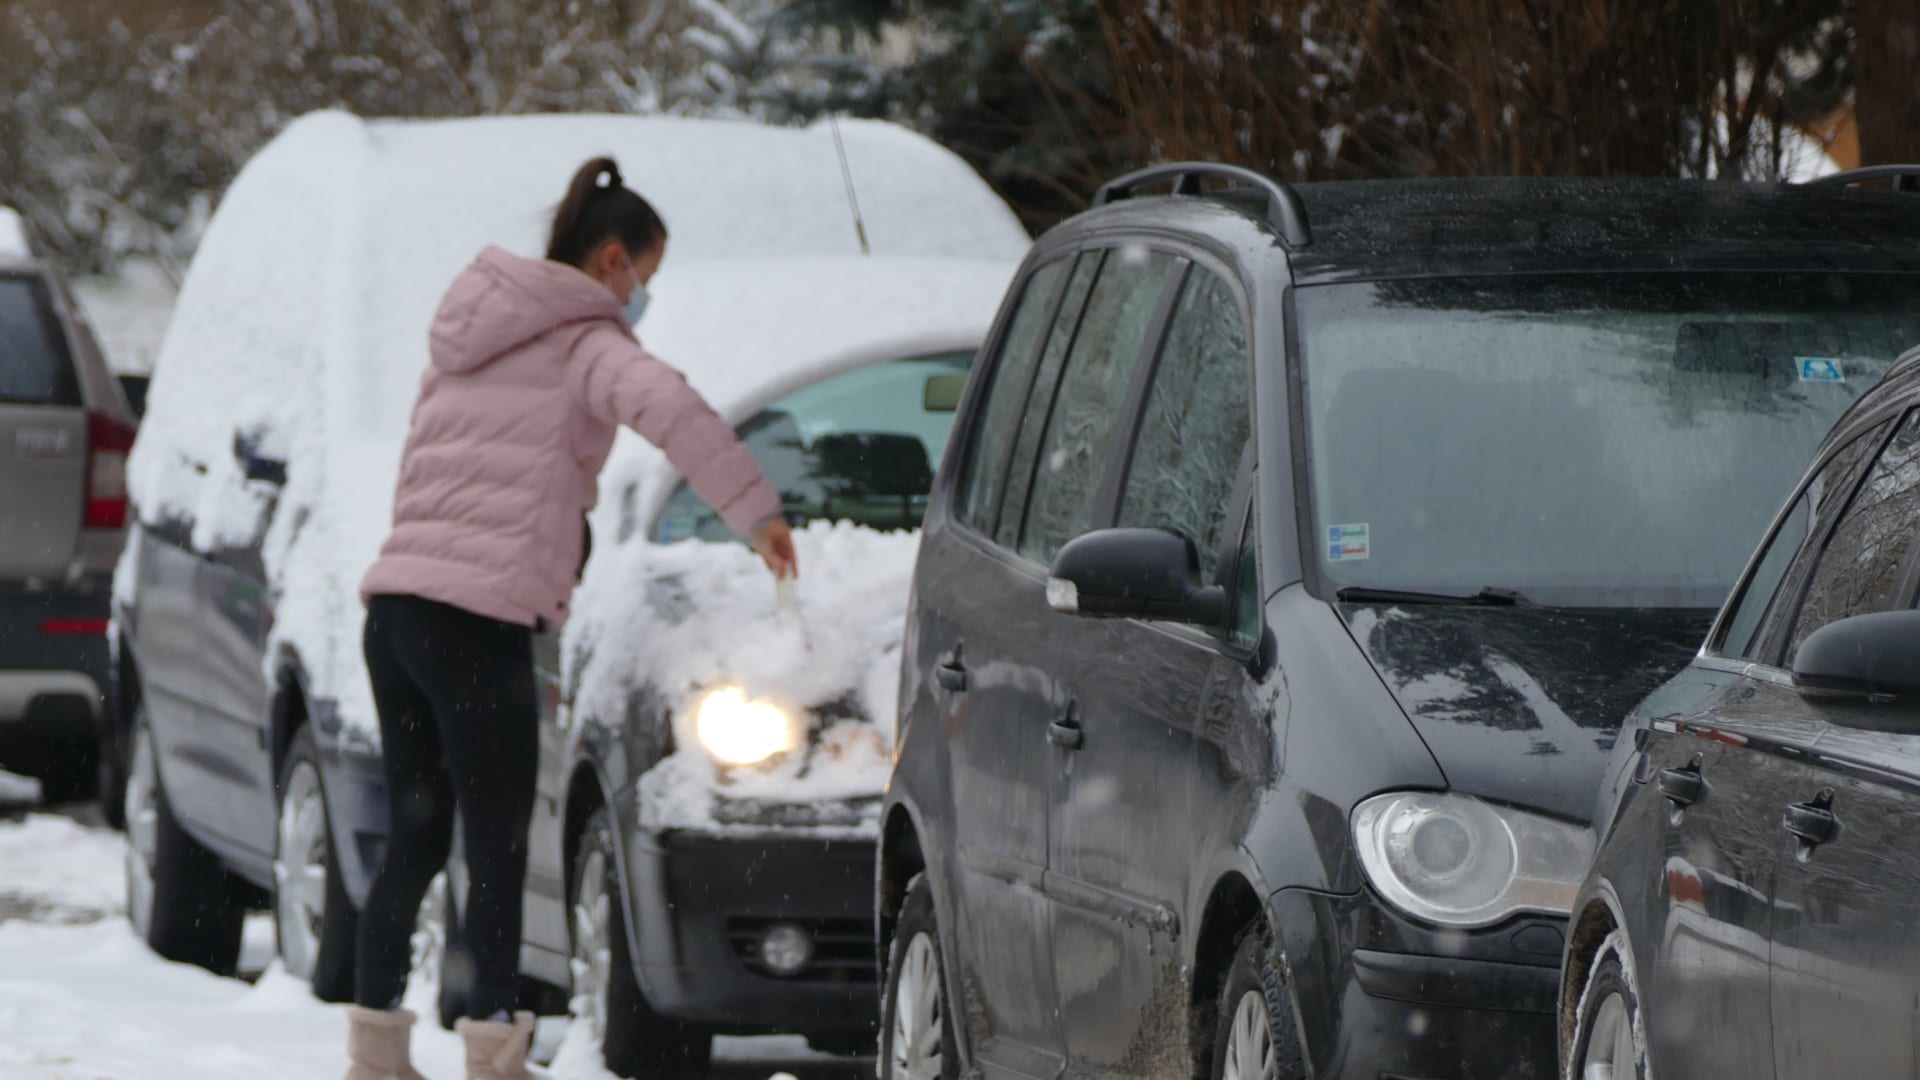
column 440, row 958
column 1255, row 1037
column 180, row 899
column 313, row 919
column 1608, row 1043
column 636, row 1041
column 916, row 1025
column 112, row 780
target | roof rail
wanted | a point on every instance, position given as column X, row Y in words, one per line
column 1904, row 177
column 1285, row 211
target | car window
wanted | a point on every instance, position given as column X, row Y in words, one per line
column 1093, row 389
column 858, row 446
column 1188, row 447
column 1861, row 564
column 1826, row 494
column 1738, row 638
column 34, row 367
column 1611, row 440
column 1006, row 398
column 1033, row 423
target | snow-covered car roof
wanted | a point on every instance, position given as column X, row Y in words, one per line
column 14, row 248
column 304, row 316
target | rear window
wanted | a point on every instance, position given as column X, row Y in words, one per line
column 860, row 446
column 34, row 368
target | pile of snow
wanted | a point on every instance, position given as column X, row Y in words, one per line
column 687, row 618
column 18, row 790
column 320, row 354
column 57, row 867
column 13, row 235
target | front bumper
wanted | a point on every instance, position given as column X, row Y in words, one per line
column 700, row 905
column 1383, row 998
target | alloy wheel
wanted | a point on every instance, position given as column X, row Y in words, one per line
column 300, row 870
column 918, row 1014
column 141, row 805
column 593, row 944
column 1250, row 1053
column 1610, row 1048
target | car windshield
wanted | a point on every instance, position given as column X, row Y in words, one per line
column 1595, row 440
column 33, row 362
column 860, row 446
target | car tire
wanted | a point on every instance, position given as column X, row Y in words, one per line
column 1255, row 1034
column 70, row 774
column 917, row 1040
column 636, row 1041
column 112, row 779
column 314, row 921
column 1607, row 1035
column 180, row 899
column 453, row 970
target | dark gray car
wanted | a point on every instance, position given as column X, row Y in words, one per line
column 65, row 431
column 1751, row 909
column 1295, row 558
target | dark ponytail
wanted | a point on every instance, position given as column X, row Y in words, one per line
column 594, row 213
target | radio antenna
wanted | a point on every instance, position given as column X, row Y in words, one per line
column 846, row 173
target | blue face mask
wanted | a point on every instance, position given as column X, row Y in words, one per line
column 636, row 305
column 637, row 301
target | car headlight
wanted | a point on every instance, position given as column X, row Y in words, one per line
column 1458, row 861
column 737, row 731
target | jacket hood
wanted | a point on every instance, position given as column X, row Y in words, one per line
column 503, row 301
column 1522, row 704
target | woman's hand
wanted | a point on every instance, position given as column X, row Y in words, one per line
column 774, row 542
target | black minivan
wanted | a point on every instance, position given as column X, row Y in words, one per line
column 1295, row 558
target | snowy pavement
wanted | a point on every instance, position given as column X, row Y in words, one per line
column 82, row 999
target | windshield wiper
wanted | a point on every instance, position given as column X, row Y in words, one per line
column 1487, row 597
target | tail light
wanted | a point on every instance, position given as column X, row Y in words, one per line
column 109, row 440
column 74, row 627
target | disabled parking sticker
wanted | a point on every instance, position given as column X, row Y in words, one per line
column 1348, row 543
column 1819, row 369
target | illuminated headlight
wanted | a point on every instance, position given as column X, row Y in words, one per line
column 741, row 732
column 1458, row 861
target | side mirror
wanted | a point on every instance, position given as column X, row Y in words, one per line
column 1874, row 655
column 1135, row 574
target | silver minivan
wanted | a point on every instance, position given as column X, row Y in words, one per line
column 65, row 432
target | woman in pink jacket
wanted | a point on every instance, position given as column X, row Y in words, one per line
column 535, row 366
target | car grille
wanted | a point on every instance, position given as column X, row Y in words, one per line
column 842, row 948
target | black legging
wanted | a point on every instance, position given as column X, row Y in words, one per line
column 458, row 724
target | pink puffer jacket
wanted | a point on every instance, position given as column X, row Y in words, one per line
column 533, row 368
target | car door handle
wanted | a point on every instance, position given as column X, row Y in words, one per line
column 952, row 676
column 1813, row 822
column 1066, row 734
column 1682, row 787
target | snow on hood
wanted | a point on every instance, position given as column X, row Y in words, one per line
column 687, row 618
column 503, row 301
column 304, row 320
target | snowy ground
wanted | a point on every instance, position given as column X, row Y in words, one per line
column 82, row 999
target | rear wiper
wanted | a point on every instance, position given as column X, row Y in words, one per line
column 1487, row 597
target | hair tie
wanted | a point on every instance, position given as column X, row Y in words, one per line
column 614, row 183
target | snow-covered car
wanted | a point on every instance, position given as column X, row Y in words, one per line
column 262, row 484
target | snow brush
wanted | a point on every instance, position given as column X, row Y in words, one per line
column 786, row 592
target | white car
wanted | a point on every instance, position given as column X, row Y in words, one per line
column 264, row 477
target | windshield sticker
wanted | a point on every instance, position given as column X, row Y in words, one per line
column 1819, row 369
column 1348, row 543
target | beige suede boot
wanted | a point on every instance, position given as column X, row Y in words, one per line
column 498, row 1051
column 377, row 1041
